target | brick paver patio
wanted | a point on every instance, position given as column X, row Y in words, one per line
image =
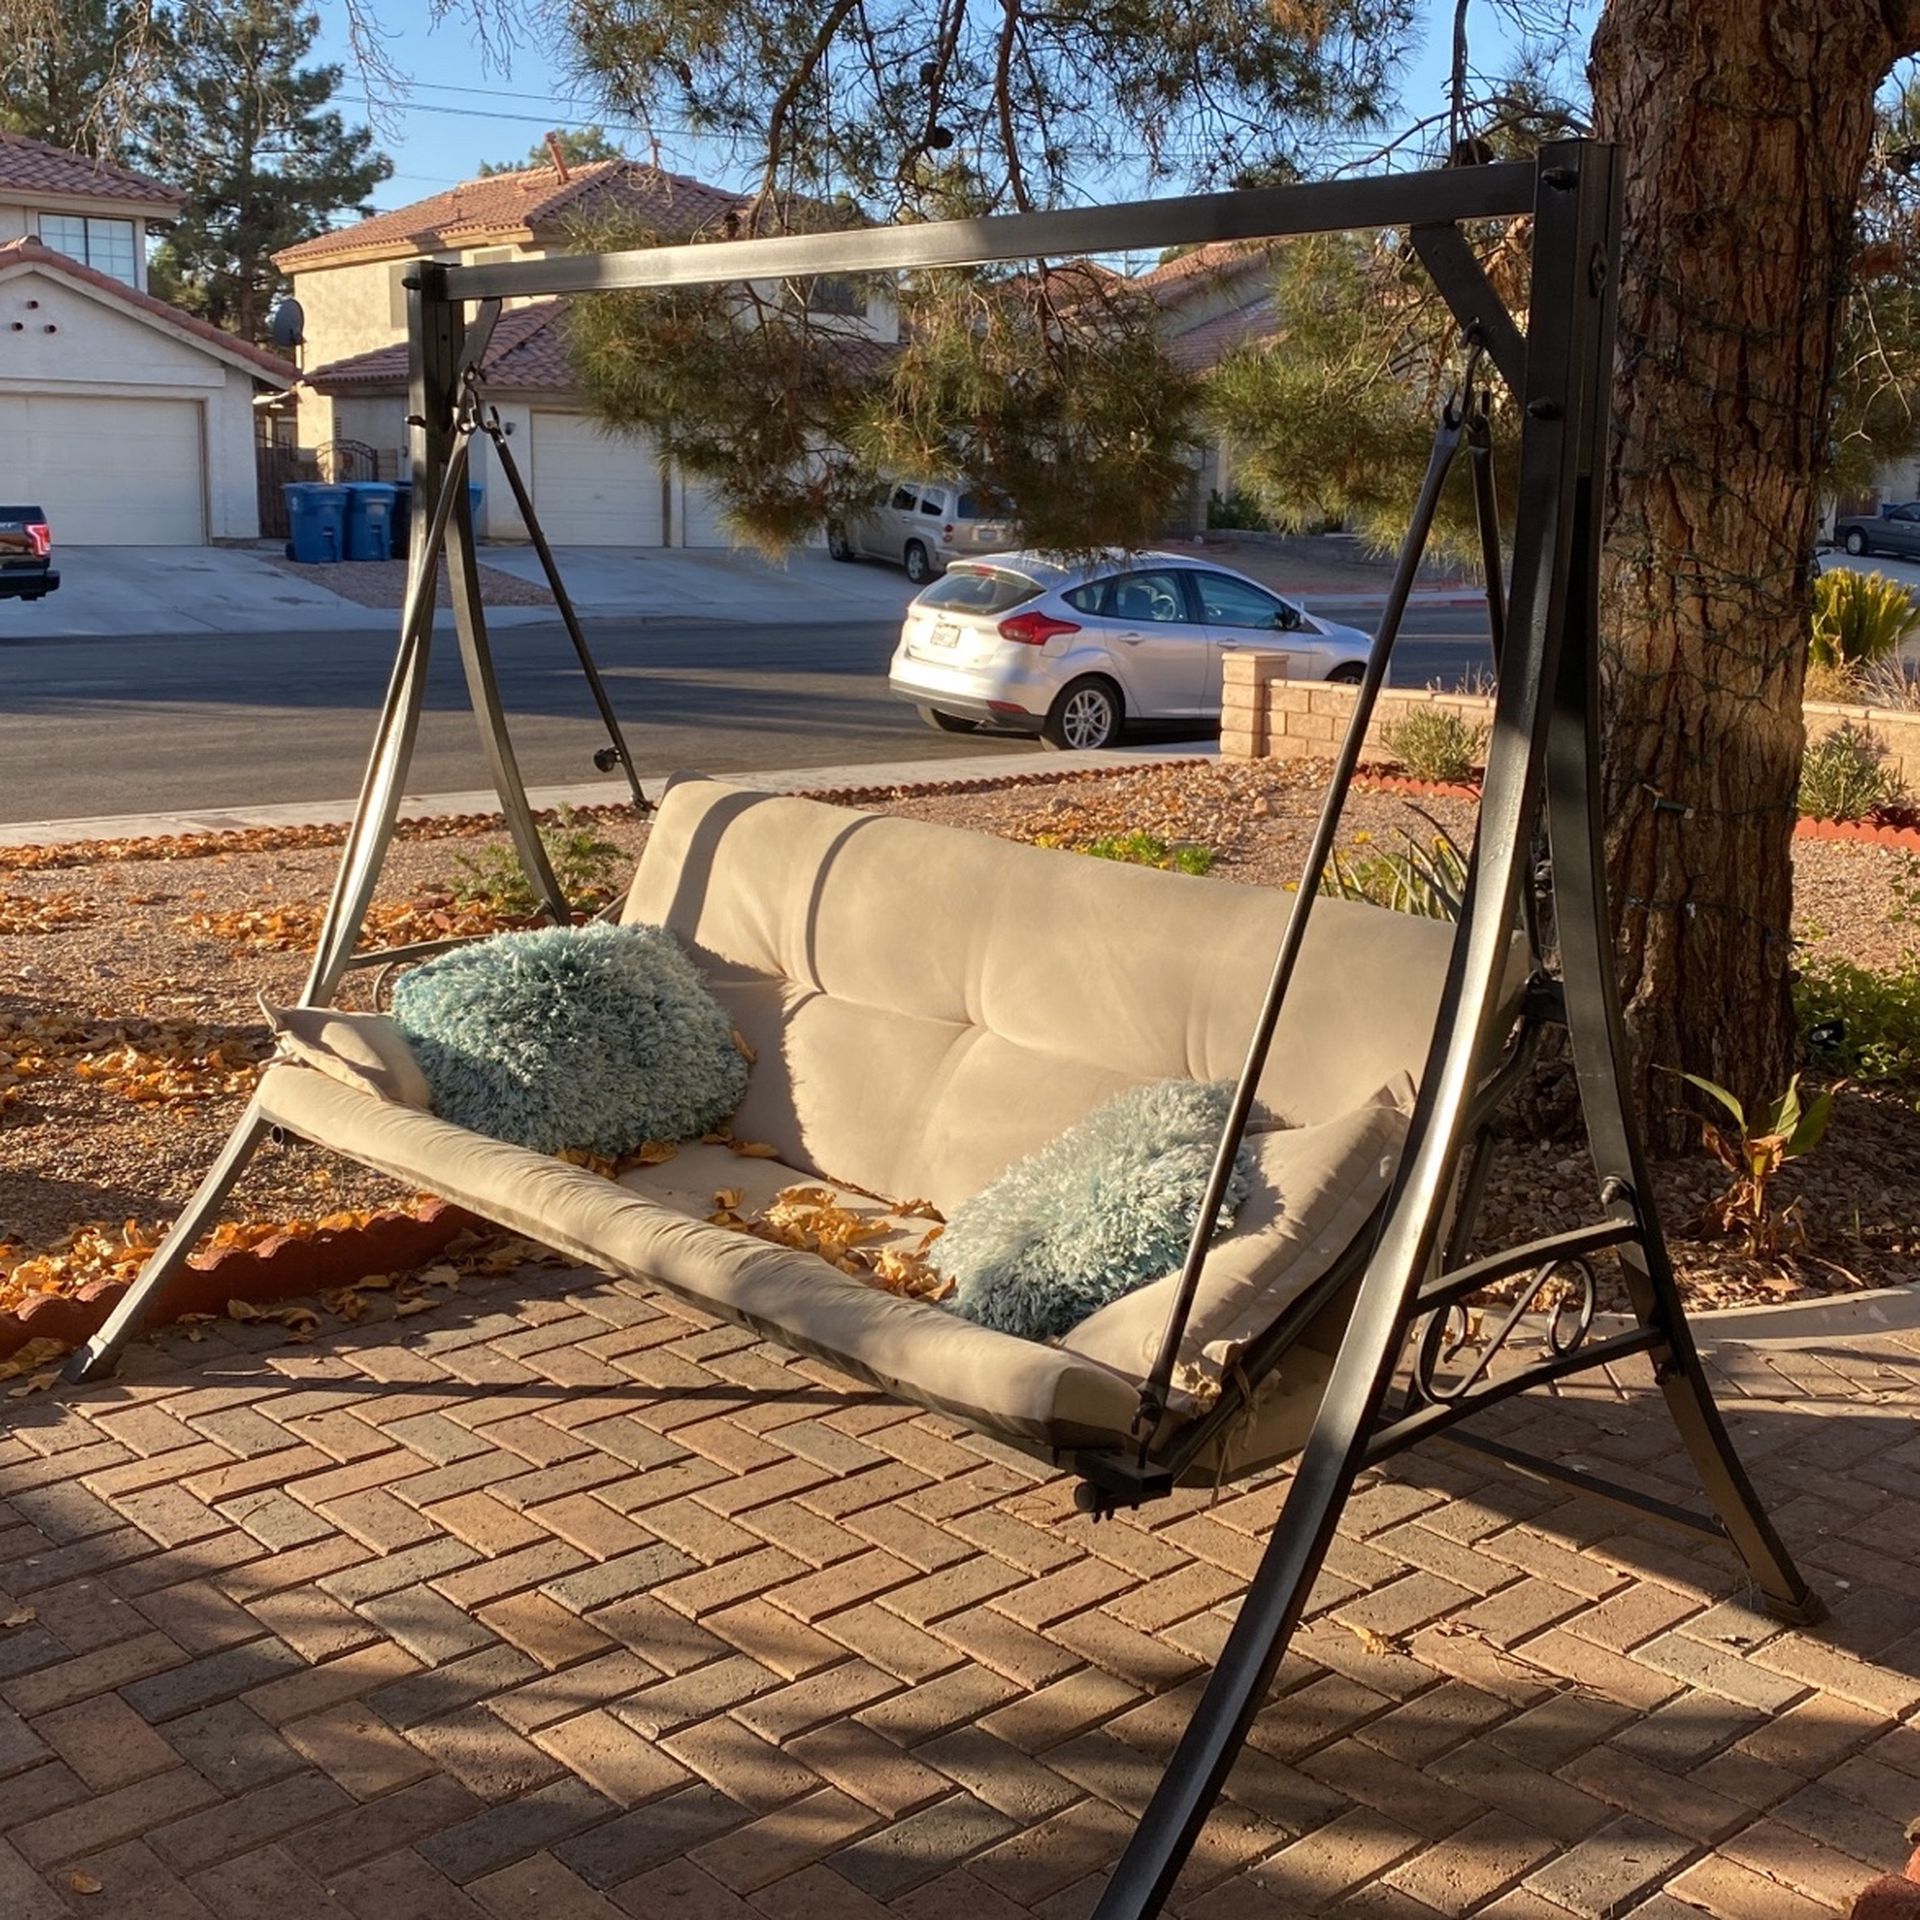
column 560, row 1601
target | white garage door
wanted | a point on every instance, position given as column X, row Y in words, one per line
column 110, row 473
column 594, row 489
column 697, row 521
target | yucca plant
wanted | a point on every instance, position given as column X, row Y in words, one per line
column 1753, row 1152
column 1859, row 619
column 1426, row 878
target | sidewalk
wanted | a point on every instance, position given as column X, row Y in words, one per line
column 590, row 793
column 559, row 1599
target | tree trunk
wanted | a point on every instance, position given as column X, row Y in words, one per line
column 1744, row 127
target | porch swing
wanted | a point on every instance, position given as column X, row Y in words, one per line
column 1323, row 1325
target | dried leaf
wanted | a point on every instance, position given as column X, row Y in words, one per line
column 740, row 1044
column 242, row 1310
column 81, row 1882
column 754, row 1150
column 407, row 1308
column 727, row 1198
column 20, row 1617
column 1373, row 1641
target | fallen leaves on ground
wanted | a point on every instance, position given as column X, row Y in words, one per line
column 295, row 927
column 147, row 1062
column 23, row 913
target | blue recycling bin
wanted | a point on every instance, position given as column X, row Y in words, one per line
column 316, row 521
column 369, row 520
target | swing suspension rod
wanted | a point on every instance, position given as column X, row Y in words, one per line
column 1460, row 408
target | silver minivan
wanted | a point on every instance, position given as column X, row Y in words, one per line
column 922, row 526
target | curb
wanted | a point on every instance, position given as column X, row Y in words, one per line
column 281, row 1268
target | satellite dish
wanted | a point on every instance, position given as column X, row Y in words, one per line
column 288, row 324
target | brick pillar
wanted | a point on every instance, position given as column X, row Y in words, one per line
column 1244, row 679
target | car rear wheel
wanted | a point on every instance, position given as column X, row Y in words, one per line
column 946, row 722
column 839, row 547
column 1087, row 715
column 1349, row 673
column 919, row 563
column 1856, row 542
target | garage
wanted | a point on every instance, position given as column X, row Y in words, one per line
column 592, row 488
column 109, row 472
column 697, row 521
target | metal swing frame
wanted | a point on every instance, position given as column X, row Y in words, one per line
column 1410, row 1279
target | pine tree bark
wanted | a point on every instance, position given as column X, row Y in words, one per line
column 1744, row 127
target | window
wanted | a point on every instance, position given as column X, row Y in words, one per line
column 1147, row 599
column 1238, row 603
column 933, row 503
column 486, row 256
column 904, row 500
column 979, row 590
column 830, row 293
column 105, row 245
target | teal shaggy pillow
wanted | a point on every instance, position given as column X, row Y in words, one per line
column 1102, row 1210
column 597, row 1037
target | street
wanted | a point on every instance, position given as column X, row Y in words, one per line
column 112, row 726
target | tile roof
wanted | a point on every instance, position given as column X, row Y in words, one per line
column 1202, row 348
column 40, row 168
column 528, row 353
column 509, row 203
column 1172, row 280
column 28, row 251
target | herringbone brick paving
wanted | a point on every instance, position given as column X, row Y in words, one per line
column 563, row 1600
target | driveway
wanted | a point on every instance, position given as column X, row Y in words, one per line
column 122, row 592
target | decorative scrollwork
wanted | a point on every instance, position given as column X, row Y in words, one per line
column 1451, row 1331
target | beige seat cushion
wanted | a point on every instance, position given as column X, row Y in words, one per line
column 365, row 1050
column 930, row 1004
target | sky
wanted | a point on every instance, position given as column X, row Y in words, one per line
column 462, row 109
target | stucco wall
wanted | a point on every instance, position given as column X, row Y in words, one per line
column 97, row 348
column 348, row 309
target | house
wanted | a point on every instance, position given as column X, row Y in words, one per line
column 590, row 487
column 1212, row 300
column 129, row 420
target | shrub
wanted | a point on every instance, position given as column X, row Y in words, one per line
column 1236, row 511
column 583, row 863
column 1863, row 1022
column 1753, row 1152
column 1858, row 619
column 1845, row 777
column 1435, row 743
column 1143, row 849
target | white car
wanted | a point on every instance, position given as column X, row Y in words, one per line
column 1036, row 643
column 923, row 527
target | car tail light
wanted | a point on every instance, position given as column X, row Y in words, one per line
column 947, row 532
column 1034, row 629
column 42, row 537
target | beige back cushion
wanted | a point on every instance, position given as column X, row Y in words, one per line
column 931, row 1004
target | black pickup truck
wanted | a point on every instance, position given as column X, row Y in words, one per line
column 26, row 554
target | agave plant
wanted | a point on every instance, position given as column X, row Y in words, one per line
column 1859, row 619
column 1426, row 877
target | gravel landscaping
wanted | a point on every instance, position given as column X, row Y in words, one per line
column 129, row 1030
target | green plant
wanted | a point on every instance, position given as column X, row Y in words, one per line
column 1435, row 743
column 1858, row 619
column 1753, row 1153
column 1427, row 878
column 1236, row 511
column 583, row 863
column 1862, row 1021
column 1142, row 849
column 1844, row 776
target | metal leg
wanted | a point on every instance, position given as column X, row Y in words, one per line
column 1600, row 1050
column 1560, row 446
column 476, row 656
column 100, row 1353
column 569, row 619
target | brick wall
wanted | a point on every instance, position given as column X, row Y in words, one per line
column 1266, row 716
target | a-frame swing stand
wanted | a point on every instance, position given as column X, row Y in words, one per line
column 1386, row 1391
